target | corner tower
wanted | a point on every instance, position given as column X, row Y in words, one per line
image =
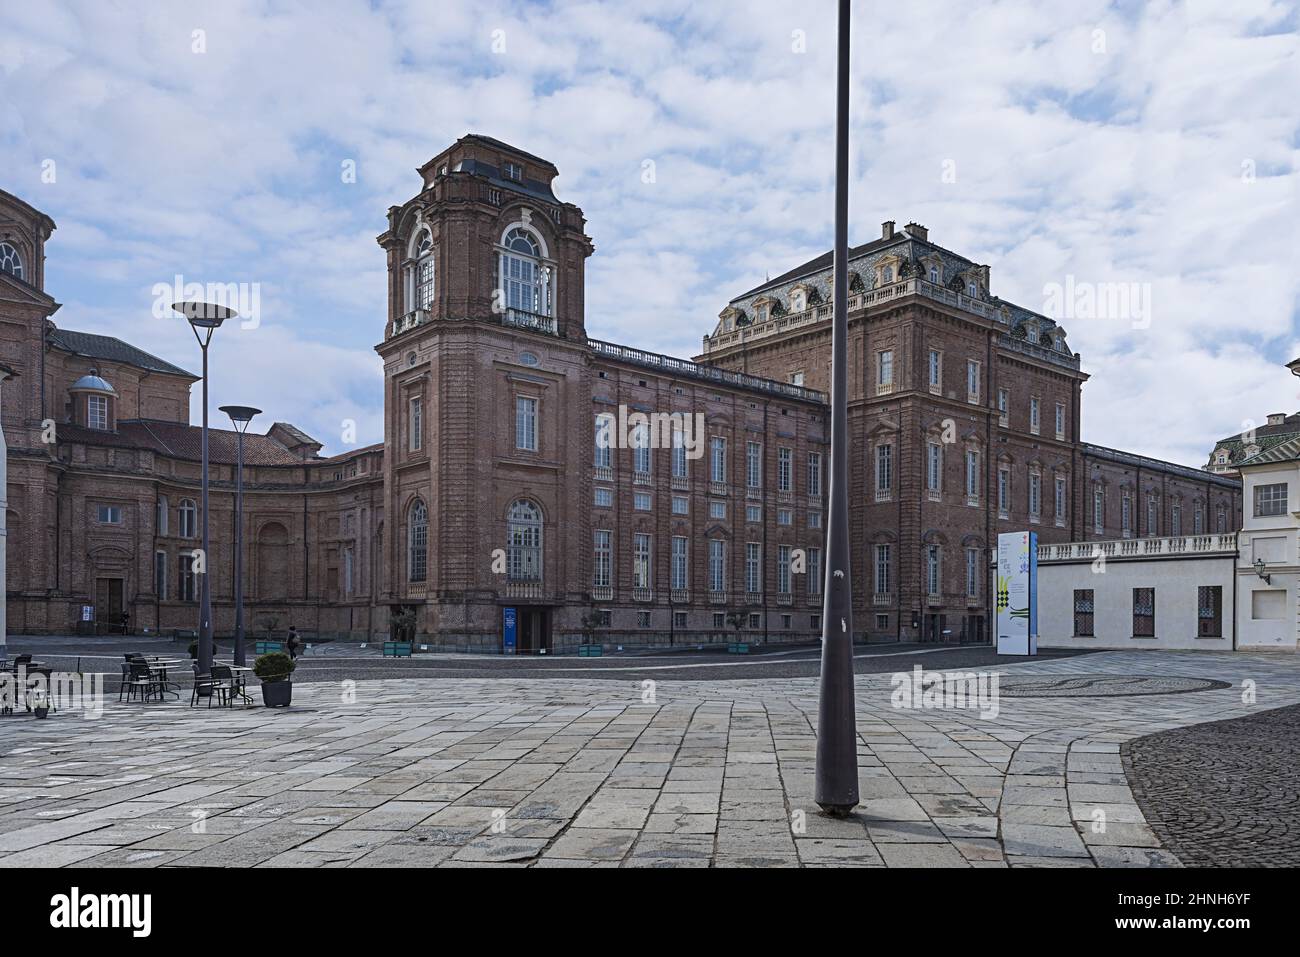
column 487, row 400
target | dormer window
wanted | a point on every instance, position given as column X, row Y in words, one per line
column 934, row 274
column 798, row 300
column 10, row 261
column 97, row 412
column 889, row 274
column 513, row 171
column 1031, row 332
column 971, row 289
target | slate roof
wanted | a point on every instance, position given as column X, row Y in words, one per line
column 1287, row 450
column 93, row 346
column 1266, row 438
column 182, row 441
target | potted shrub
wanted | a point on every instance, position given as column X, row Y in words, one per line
column 275, row 671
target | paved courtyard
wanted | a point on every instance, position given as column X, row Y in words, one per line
column 584, row 772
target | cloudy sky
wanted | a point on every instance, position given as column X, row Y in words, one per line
column 1093, row 143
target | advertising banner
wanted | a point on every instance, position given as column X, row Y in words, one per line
column 1017, row 593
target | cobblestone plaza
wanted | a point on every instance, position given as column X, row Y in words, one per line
column 584, row 772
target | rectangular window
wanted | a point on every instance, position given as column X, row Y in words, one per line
column 604, row 497
column 1176, row 519
column 755, row 621
column 753, row 567
column 1060, row 420
column 1083, row 612
column 936, row 370
column 784, row 516
column 882, row 569
column 604, row 440
column 884, row 370
column 681, row 505
column 185, row 582
column 754, row 464
column 110, row 515
column 814, row 571
column 640, row 560
column 814, row 519
column 1144, row 612
column 932, row 576
column 1209, row 611
column 1270, row 499
column 717, row 509
column 1033, row 415
column 1153, row 520
column 1126, row 515
column 933, row 466
column 679, row 455
column 717, row 565
column 641, row 449
column 415, row 423
column 641, row 502
column 884, row 470
column 717, row 459
column 972, row 380
column 161, row 520
column 643, row 619
column 972, row 572
column 783, row 569
column 1004, row 404
column 1059, row 503
column 814, row 474
column 679, row 619
column 679, row 563
column 1198, row 519
column 97, row 412
column 784, row 470
column 525, row 423
column 1004, row 491
column 1035, row 495
column 753, row 514
column 972, row 474
column 160, row 574
column 1098, row 509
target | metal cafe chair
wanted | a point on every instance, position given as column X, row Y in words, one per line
column 140, row 680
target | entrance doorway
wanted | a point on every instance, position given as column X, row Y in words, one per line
column 109, row 604
column 532, row 630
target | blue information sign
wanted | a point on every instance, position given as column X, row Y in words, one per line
column 508, row 631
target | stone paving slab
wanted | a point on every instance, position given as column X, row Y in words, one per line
column 559, row 772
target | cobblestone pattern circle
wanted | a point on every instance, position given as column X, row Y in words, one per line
column 1101, row 686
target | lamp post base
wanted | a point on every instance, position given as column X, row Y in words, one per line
column 837, row 810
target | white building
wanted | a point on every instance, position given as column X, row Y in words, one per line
column 1268, row 565
column 1135, row 593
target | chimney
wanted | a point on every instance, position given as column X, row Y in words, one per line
column 917, row 231
column 1276, row 418
column 887, row 229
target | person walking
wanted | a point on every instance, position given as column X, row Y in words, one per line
column 294, row 643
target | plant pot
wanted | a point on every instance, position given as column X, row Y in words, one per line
column 277, row 694
column 41, row 710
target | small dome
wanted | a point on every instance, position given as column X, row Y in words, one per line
column 92, row 383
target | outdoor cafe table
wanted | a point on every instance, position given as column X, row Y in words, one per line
column 160, row 665
column 240, row 673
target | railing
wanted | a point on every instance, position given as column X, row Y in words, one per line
column 784, row 598
column 681, row 483
column 717, row 598
column 1025, row 347
column 884, row 494
column 416, row 317
column 1141, row 547
column 523, row 589
column 602, row 592
column 529, row 320
column 671, row 365
column 882, row 599
column 717, row 488
column 679, row 596
column 642, row 594
column 934, row 601
column 604, row 473
column 641, row 478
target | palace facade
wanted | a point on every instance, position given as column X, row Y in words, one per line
column 492, row 499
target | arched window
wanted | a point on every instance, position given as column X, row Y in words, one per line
column 524, row 542
column 189, row 518
column 525, row 280
column 417, row 537
column 420, row 273
column 10, row 261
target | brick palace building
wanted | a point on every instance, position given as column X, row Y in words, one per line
column 490, row 491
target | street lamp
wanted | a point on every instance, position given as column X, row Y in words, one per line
column 204, row 318
column 837, row 733
column 240, row 417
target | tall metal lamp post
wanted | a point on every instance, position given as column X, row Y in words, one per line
column 204, row 318
column 240, row 417
column 837, row 733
